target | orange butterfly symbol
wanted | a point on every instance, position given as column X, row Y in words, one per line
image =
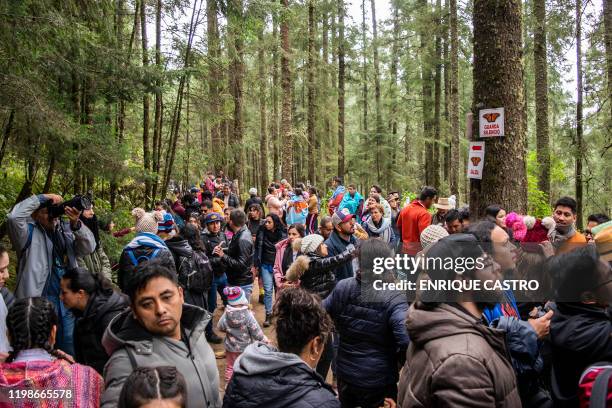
column 475, row 160
column 491, row 117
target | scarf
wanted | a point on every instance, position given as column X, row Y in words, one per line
column 383, row 230
column 560, row 234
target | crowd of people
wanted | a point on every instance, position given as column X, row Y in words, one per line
column 141, row 336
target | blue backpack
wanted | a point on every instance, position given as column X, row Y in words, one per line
column 137, row 260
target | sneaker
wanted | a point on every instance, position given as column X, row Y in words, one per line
column 268, row 321
column 213, row 338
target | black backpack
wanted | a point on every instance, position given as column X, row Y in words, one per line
column 195, row 272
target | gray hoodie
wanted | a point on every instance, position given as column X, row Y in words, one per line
column 197, row 362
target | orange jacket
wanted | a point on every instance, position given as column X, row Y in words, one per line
column 411, row 221
column 577, row 240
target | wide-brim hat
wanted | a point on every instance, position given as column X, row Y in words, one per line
column 443, row 204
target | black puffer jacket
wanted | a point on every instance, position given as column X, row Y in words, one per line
column 580, row 335
column 91, row 324
column 265, row 246
column 210, row 241
column 267, row 378
column 238, row 258
column 315, row 273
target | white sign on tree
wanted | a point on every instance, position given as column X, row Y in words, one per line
column 476, row 160
column 491, row 122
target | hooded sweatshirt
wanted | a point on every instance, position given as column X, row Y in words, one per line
column 267, row 378
column 193, row 357
column 240, row 327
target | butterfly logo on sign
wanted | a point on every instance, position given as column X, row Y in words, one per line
column 475, row 160
column 491, row 117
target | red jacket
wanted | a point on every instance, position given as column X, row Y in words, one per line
column 411, row 221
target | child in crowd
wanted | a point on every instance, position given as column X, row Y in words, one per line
column 240, row 327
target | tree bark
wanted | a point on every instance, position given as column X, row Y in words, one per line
column 157, row 127
column 214, row 52
column 275, row 113
column 236, row 20
column 437, row 95
column 393, row 120
column 541, row 96
column 579, row 124
column 364, row 69
column 6, row 134
column 498, row 82
column 454, row 100
column 263, row 134
column 341, row 91
column 377, row 98
column 287, row 88
column 312, row 137
column 607, row 4
column 426, row 91
column 145, row 99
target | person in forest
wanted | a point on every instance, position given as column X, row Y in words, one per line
column 268, row 236
column 337, row 195
column 314, row 269
column 238, row 256
column 372, row 332
column 287, row 251
column 313, row 211
column 94, row 303
column 452, row 222
column 253, row 199
column 565, row 237
column 144, row 246
column 265, row 376
column 464, row 217
column 375, row 190
column 594, row 220
column 367, row 207
column 6, row 301
column 496, row 214
column 47, row 247
column 379, row 227
column 341, row 239
column 229, row 233
column 212, row 238
column 209, row 182
column 414, row 218
column 442, row 208
column 35, row 365
column 394, row 202
column 97, row 261
column 352, row 200
column 326, row 227
column 160, row 329
column 255, row 219
column 240, row 328
column 149, row 386
column 229, row 199
column 274, row 204
column 297, row 208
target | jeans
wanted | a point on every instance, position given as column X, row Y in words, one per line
column 64, row 339
column 248, row 290
column 267, row 275
column 219, row 283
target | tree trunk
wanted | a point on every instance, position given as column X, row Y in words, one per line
column 275, row 113
column 364, row 70
column 446, row 61
column 541, row 96
column 235, row 22
column 454, row 101
column 263, row 135
column 286, row 85
column 312, row 143
column 157, row 127
column 393, row 122
column 498, row 82
column 341, row 74
column 213, row 80
column 6, row 134
column 145, row 100
column 607, row 4
column 426, row 94
column 380, row 143
column 49, row 177
column 437, row 96
column 579, row 124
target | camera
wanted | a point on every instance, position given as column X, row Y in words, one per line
column 80, row 202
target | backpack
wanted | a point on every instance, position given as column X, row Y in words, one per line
column 138, row 260
column 595, row 386
column 195, row 272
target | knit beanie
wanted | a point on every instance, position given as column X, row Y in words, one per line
column 166, row 224
column 235, row 296
column 515, row 222
column 536, row 230
column 432, row 234
column 146, row 222
column 310, row 243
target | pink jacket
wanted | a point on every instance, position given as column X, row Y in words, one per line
column 279, row 277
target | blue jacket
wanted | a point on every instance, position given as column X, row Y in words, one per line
column 336, row 246
column 372, row 329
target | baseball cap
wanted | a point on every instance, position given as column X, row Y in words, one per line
column 212, row 217
column 341, row 216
